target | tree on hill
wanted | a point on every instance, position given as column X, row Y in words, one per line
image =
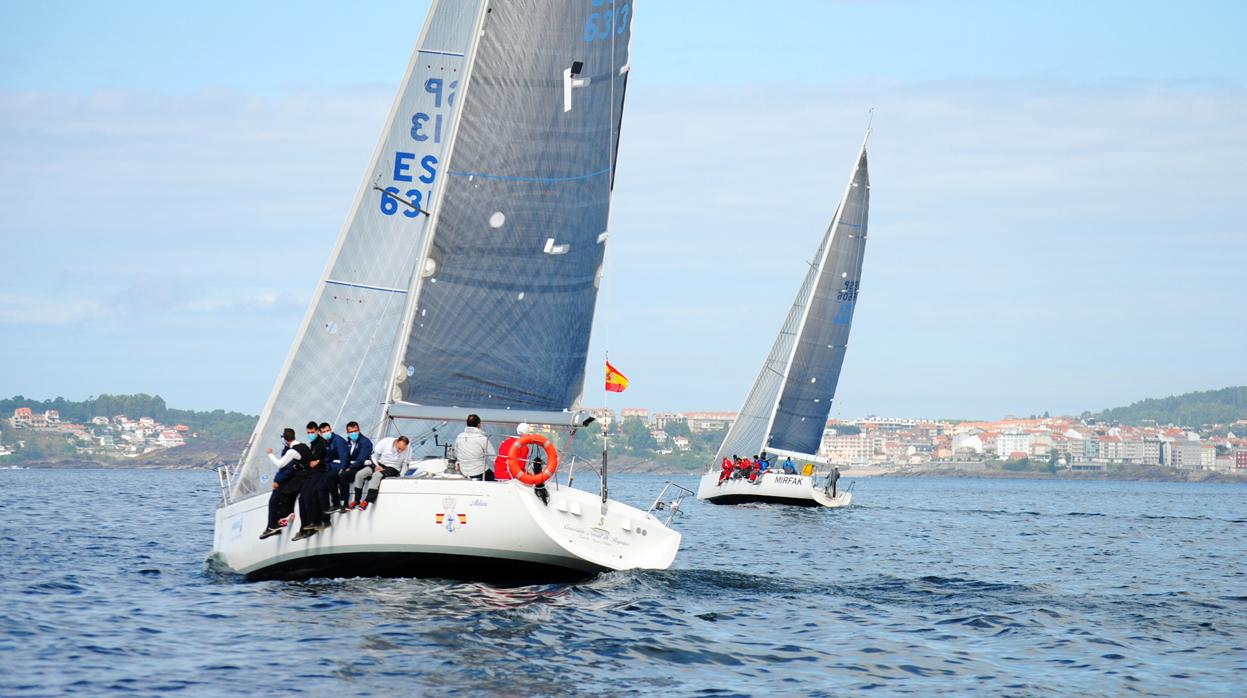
column 1189, row 409
column 636, row 436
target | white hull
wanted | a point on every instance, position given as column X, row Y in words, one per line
column 450, row 528
column 770, row 487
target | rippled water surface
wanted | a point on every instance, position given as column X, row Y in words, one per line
column 924, row 586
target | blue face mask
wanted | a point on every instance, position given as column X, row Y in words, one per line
column 312, row 437
column 353, row 436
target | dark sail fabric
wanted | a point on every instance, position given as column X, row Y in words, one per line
column 503, row 314
column 341, row 366
column 805, row 401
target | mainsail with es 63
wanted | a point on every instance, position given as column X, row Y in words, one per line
column 465, row 281
column 786, row 411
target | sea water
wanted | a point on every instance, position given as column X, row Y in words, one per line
column 923, row 585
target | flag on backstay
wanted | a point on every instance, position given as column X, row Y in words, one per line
column 615, row 381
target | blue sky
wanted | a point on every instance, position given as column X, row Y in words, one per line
column 1059, row 211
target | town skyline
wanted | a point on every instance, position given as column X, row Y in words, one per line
column 1056, row 442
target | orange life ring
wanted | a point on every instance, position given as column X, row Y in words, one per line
column 516, row 458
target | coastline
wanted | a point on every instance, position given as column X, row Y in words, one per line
column 209, row 456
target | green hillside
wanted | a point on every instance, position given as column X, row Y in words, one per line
column 1190, row 409
column 217, row 424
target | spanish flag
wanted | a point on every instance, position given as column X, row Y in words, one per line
column 615, row 381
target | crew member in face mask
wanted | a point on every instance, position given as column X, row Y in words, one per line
column 359, row 450
column 336, row 456
column 311, row 514
column 291, row 470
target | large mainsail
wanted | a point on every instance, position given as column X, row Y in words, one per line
column 467, row 272
column 503, row 314
column 341, row 363
column 787, row 407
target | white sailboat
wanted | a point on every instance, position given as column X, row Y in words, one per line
column 464, row 281
column 785, row 413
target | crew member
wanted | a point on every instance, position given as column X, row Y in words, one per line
column 728, row 465
column 337, row 455
column 789, row 468
column 834, row 477
column 358, row 454
column 312, row 516
column 473, row 451
column 287, row 481
column 390, row 459
column 502, row 471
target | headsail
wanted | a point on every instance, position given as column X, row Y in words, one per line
column 341, row 364
column 788, row 405
column 503, row 314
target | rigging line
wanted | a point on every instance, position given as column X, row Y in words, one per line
column 376, row 329
column 405, row 201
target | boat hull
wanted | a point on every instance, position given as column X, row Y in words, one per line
column 451, row 528
column 773, row 488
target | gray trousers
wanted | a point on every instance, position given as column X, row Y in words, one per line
column 372, row 474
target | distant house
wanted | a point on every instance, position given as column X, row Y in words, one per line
column 100, row 421
column 52, row 417
column 663, row 419
column 709, row 421
column 22, row 417
column 639, row 412
column 971, row 443
column 681, row 442
column 1012, row 442
column 169, row 438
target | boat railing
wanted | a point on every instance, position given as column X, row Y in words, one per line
column 225, row 479
column 672, row 505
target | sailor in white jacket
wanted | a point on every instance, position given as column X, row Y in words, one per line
column 390, row 458
column 474, row 452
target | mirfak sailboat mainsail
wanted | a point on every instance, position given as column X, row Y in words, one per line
column 785, row 414
column 464, row 281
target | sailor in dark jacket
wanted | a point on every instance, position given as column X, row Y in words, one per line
column 337, row 453
column 288, row 480
column 312, row 515
column 359, row 451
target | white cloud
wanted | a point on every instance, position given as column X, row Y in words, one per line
column 1031, row 216
column 20, row 309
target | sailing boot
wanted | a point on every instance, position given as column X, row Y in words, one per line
column 372, row 499
column 355, row 501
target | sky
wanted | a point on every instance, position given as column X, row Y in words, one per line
column 1058, row 215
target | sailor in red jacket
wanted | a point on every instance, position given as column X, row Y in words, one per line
column 728, row 465
column 501, row 471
